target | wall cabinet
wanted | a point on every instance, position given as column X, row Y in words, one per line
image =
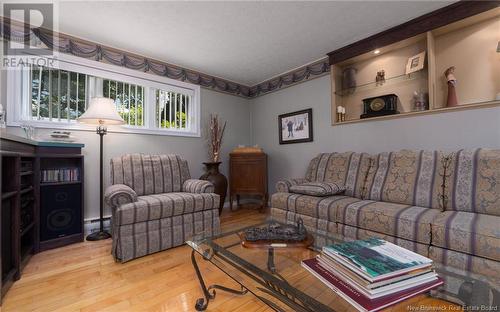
column 469, row 44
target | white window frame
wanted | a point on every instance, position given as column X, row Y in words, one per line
column 19, row 90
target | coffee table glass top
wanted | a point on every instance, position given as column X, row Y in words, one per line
column 276, row 277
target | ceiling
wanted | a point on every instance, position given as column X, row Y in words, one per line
column 245, row 42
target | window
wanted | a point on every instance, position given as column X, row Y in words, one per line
column 56, row 97
column 171, row 110
column 129, row 100
column 57, row 94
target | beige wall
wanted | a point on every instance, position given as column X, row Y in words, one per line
column 233, row 109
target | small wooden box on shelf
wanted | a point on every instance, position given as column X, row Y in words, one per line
column 469, row 43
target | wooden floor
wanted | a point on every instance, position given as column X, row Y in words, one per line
column 84, row 277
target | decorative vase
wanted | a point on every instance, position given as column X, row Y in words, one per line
column 217, row 179
column 349, row 78
column 452, row 95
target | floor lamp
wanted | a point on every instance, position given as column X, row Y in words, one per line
column 101, row 111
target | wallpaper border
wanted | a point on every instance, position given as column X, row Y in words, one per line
column 12, row 30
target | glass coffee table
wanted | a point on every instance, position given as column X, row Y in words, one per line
column 275, row 276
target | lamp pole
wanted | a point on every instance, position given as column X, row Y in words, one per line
column 103, row 112
column 101, row 131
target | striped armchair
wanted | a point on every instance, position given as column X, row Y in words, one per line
column 156, row 205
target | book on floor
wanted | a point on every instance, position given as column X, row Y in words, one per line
column 375, row 259
column 358, row 299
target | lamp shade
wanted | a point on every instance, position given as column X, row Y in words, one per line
column 101, row 111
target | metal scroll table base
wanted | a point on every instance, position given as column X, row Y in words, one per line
column 209, row 293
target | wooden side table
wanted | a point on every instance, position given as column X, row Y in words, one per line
column 248, row 176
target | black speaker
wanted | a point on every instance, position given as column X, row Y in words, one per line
column 60, row 211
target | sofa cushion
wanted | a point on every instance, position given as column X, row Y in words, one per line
column 318, row 207
column 150, row 174
column 474, row 181
column 317, row 189
column 158, row 206
column 398, row 220
column 348, row 169
column 407, row 177
column 284, row 185
column 472, row 233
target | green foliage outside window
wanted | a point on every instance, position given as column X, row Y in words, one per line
column 57, row 94
column 128, row 99
column 171, row 109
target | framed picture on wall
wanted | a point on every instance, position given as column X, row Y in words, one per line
column 296, row 127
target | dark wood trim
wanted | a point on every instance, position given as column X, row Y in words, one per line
column 16, row 148
column 416, row 26
column 62, row 241
column 36, row 168
column 16, row 220
column 55, row 151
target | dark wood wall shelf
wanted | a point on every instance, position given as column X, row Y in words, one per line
column 21, row 161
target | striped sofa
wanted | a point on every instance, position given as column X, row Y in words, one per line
column 156, row 205
column 443, row 205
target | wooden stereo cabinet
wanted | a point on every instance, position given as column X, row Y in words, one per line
column 23, row 191
column 248, row 176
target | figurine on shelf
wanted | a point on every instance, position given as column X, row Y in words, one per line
column 380, row 78
column 452, row 81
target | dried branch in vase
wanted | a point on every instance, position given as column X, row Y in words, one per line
column 215, row 141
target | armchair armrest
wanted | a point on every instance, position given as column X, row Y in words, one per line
column 283, row 186
column 197, row 186
column 119, row 194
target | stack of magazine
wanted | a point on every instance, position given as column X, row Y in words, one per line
column 373, row 274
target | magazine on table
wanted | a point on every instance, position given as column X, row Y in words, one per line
column 376, row 259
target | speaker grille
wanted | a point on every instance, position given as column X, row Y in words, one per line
column 60, row 211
